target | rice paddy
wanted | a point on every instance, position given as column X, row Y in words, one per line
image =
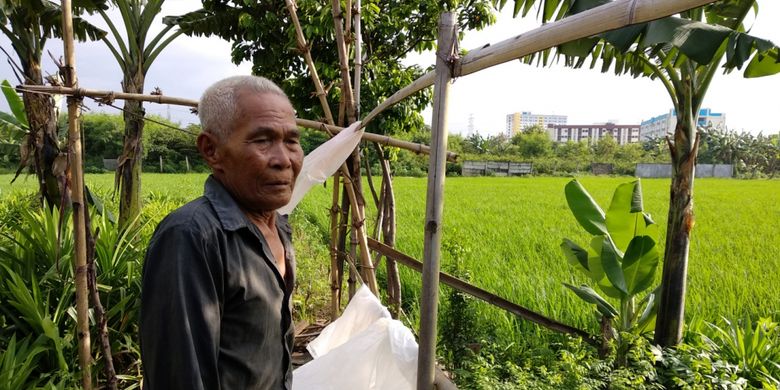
column 508, row 232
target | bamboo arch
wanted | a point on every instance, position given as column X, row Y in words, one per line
column 617, row 14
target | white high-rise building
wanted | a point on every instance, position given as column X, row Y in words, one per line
column 661, row 125
column 518, row 121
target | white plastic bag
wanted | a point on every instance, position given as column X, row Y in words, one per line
column 323, row 162
column 363, row 310
column 362, row 350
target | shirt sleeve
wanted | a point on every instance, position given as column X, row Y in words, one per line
column 181, row 297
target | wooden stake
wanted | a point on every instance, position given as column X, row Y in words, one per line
column 429, row 296
column 77, row 197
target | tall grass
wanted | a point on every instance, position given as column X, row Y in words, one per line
column 511, row 229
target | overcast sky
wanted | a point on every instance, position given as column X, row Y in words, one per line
column 587, row 96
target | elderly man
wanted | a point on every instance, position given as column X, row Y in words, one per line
column 219, row 271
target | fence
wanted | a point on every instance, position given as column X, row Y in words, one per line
column 702, row 170
column 601, row 169
column 496, row 168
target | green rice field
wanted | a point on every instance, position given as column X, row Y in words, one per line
column 509, row 230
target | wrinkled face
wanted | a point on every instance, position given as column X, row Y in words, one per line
column 260, row 159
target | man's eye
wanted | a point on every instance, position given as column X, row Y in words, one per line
column 293, row 141
column 260, row 140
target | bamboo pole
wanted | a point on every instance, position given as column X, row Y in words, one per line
column 485, row 295
column 309, row 124
column 357, row 216
column 335, row 279
column 610, row 16
column 358, row 56
column 77, row 198
column 429, row 296
column 348, row 20
column 301, row 40
column 341, row 48
column 388, row 233
column 377, row 138
column 108, row 96
column 358, row 233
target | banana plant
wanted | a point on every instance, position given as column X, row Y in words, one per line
column 135, row 51
column 29, row 25
column 684, row 53
column 621, row 258
column 14, row 129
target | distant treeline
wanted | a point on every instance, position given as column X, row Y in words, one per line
column 752, row 156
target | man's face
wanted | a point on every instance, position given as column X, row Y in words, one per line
column 260, row 159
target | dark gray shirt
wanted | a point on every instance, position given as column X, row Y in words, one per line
column 215, row 311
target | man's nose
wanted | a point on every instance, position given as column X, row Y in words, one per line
column 279, row 156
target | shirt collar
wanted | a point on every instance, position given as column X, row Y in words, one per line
column 229, row 214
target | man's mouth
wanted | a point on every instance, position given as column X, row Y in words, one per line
column 279, row 183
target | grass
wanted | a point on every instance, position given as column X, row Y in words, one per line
column 511, row 228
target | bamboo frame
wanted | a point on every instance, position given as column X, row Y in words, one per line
column 607, row 17
column 434, row 204
column 77, row 197
column 617, row 14
column 160, row 99
column 357, row 216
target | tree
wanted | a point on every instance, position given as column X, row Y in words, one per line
column 135, row 55
column 475, row 144
column 533, row 142
column 29, row 24
column 604, row 149
column 684, row 53
column 104, row 137
column 261, row 32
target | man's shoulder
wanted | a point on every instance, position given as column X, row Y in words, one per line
column 197, row 216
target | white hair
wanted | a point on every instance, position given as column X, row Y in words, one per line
column 218, row 108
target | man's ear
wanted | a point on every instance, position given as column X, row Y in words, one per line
column 208, row 146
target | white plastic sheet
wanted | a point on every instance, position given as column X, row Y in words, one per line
column 364, row 349
column 323, row 162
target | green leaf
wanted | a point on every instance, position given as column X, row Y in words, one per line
column 700, row 41
column 95, row 201
column 610, row 262
column 646, row 320
column 623, row 38
column 640, row 263
column 661, row 31
column 576, row 255
column 597, row 270
column 15, row 102
column 585, row 209
column 589, row 295
column 624, row 218
column 765, row 64
column 578, row 48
